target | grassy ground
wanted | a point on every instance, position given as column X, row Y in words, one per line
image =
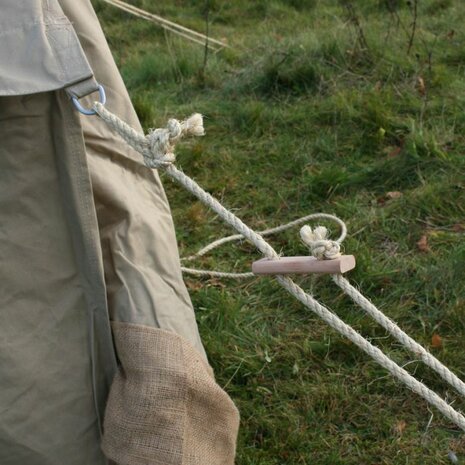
column 335, row 106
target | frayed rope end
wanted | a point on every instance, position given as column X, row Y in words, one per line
column 194, row 125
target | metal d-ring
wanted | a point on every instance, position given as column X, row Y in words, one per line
column 85, row 111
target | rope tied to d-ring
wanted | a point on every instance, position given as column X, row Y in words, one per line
column 161, row 142
column 157, row 147
column 158, row 151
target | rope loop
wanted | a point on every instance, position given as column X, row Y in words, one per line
column 159, row 152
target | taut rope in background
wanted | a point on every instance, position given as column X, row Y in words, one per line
column 186, row 33
column 157, row 150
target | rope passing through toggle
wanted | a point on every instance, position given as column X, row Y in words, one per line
column 157, row 150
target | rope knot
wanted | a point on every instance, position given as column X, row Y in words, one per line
column 161, row 142
column 174, row 128
column 320, row 246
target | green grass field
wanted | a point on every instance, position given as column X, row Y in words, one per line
column 348, row 107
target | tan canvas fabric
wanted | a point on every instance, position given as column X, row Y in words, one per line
column 54, row 324
column 142, row 270
column 87, row 237
column 39, row 49
column 165, row 407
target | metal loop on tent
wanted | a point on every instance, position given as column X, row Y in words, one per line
column 88, row 112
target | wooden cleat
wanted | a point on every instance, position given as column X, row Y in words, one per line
column 303, row 265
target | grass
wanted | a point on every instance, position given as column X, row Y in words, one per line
column 320, row 106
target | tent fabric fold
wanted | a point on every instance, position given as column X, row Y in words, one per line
column 140, row 253
column 40, row 51
column 56, row 353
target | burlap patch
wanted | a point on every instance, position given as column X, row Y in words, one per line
column 164, row 407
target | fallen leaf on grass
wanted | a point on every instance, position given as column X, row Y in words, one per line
column 215, row 282
column 394, row 195
column 400, row 426
column 295, row 369
column 436, row 341
column 458, row 445
column 394, row 152
column 193, row 285
column 196, row 214
column 422, row 244
column 421, row 86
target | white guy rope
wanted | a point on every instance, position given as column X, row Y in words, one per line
column 401, row 336
column 319, row 242
column 217, row 274
column 270, row 231
column 267, row 232
column 321, row 247
column 160, row 160
column 186, row 33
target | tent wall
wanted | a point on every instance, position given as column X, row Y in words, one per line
column 52, row 289
column 87, row 245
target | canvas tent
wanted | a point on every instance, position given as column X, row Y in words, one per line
column 97, row 330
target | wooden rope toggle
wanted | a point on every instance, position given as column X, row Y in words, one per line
column 303, row 265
